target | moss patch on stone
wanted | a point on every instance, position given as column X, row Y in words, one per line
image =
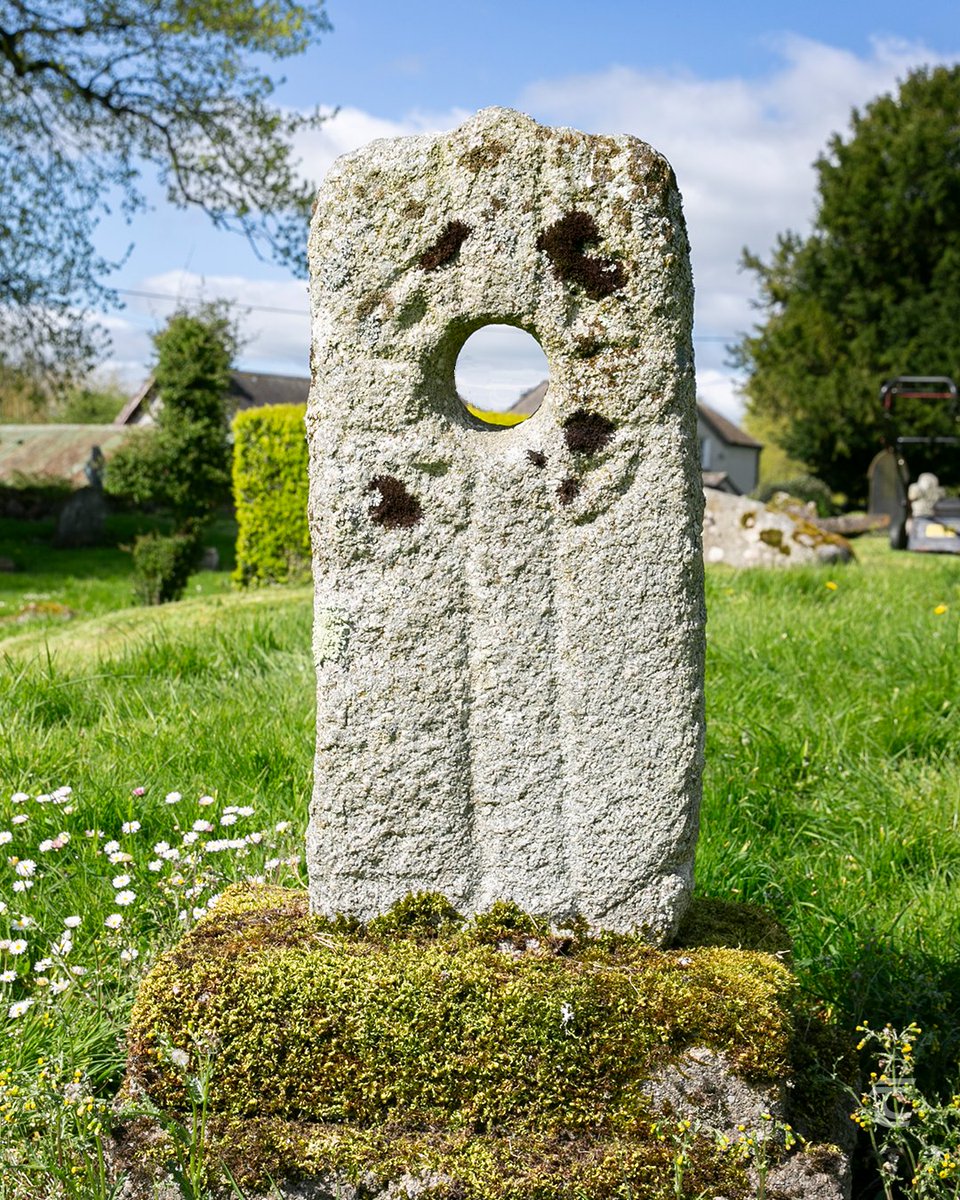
column 587, row 432
column 564, row 243
column 397, row 508
column 496, row 1054
column 446, row 247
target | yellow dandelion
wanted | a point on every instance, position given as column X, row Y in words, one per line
column 830, row 585
column 940, row 610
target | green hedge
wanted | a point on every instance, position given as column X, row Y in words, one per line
column 270, row 492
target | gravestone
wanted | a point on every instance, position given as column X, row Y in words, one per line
column 81, row 520
column 886, row 489
column 509, row 644
column 509, row 626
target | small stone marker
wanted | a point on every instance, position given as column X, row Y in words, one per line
column 81, row 520
column 509, row 623
column 886, row 486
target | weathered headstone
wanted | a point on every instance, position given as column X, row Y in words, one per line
column 81, row 520
column 509, row 622
column 885, row 486
column 509, row 639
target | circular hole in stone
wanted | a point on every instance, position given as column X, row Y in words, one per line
column 501, row 375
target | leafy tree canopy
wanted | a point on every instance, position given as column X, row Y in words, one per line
column 183, row 464
column 93, row 94
column 873, row 292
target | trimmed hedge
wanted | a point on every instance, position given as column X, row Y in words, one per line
column 270, row 484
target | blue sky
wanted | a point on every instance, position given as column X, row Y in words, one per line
column 741, row 97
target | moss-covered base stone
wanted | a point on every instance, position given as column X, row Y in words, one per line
column 491, row 1058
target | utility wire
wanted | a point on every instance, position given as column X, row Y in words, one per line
column 303, row 312
column 293, row 312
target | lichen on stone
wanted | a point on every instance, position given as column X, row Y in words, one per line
column 568, row 490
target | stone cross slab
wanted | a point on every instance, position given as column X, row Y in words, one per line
column 509, row 621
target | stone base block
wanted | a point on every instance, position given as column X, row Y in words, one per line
column 490, row 1058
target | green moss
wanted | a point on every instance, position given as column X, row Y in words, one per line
column 494, row 1052
column 710, row 922
column 486, row 155
column 418, row 916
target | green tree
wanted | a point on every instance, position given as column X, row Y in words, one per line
column 92, row 403
column 874, row 291
column 183, row 464
column 96, row 93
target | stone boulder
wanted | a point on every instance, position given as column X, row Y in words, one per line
column 484, row 1058
column 742, row 532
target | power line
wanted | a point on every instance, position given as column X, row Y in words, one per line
column 298, row 312
column 293, row 312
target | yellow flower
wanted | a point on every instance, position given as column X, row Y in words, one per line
column 830, row 585
column 940, row 610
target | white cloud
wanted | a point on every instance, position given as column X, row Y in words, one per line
column 350, row 128
column 274, row 341
column 742, row 149
column 718, row 389
column 497, row 365
column 743, row 152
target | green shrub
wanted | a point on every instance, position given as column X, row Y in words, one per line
column 181, row 465
column 804, row 487
column 162, row 566
column 270, row 493
column 33, row 497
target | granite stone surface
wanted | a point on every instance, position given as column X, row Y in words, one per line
column 509, row 629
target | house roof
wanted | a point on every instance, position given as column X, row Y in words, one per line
column 721, row 481
column 251, row 389
column 732, row 434
column 60, row 451
column 531, row 400
column 248, row 389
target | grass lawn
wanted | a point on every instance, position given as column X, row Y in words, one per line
column 831, row 795
column 87, row 582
